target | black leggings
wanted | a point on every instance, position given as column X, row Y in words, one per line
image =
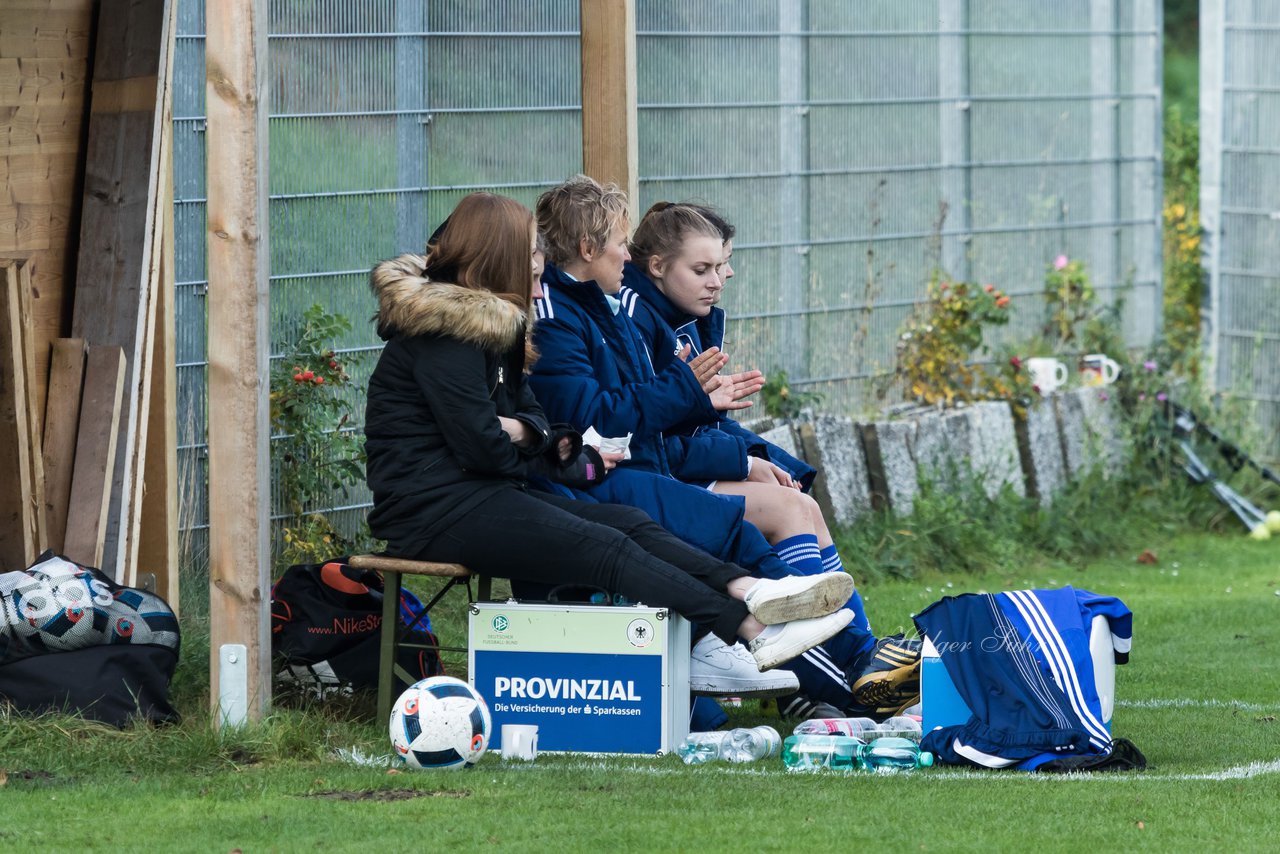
column 542, row 538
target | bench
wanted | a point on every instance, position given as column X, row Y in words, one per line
column 392, row 633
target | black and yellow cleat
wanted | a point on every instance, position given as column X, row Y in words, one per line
column 890, row 681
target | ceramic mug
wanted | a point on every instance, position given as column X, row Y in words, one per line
column 520, row 741
column 1098, row 369
column 1047, row 374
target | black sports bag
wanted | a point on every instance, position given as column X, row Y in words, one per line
column 72, row 640
column 325, row 628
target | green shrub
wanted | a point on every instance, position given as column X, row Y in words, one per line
column 316, row 454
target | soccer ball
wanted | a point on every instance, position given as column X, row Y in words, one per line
column 151, row 620
column 55, row 612
column 440, row 722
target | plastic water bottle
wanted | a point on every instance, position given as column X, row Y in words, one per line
column 889, row 753
column 748, row 745
column 900, row 726
column 862, row 728
column 700, row 747
column 811, row 751
column 856, row 727
column 849, row 753
column 735, row 745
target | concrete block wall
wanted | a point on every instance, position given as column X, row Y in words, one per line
column 880, row 464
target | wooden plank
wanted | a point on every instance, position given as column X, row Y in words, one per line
column 158, row 533
column 61, row 424
column 40, row 129
column 24, row 82
column 35, row 413
column 609, row 141
column 112, row 299
column 41, row 156
column 239, row 338
column 95, row 454
column 44, row 33
column 17, row 527
column 155, row 370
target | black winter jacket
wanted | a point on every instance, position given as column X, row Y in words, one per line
column 454, row 361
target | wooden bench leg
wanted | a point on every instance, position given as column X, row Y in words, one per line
column 387, row 651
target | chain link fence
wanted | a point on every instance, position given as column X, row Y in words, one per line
column 1240, row 203
column 857, row 147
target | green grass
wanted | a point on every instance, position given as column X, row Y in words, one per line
column 1199, row 698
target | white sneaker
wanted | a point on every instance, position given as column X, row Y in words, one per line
column 717, row 670
column 798, row 597
column 783, row 642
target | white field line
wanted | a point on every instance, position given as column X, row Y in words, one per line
column 1184, row 703
column 1237, row 772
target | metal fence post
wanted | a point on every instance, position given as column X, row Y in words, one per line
column 411, row 127
column 1212, row 73
column 954, row 135
column 793, row 143
column 1103, row 141
column 1148, row 136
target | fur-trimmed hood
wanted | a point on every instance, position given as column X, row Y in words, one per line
column 411, row 304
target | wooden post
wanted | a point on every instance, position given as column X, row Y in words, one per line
column 239, row 266
column 609, row 148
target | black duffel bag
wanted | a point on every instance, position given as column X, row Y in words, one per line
column 72, row 640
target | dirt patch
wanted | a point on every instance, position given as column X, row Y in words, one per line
column 388, row 794
column 7, row 776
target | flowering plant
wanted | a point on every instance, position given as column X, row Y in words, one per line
column 1069, row 299
column 936, row 344
column 1009, row 380
column 314, row 452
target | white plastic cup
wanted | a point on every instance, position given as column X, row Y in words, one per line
column 520, row 741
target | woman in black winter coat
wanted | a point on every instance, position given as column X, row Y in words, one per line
column 453, row 432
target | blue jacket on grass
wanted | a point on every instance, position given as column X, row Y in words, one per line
column 1022, row 663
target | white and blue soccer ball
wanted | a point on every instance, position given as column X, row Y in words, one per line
column 53, row 614
column 440, row 722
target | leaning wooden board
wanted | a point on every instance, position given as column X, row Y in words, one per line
column 35, row 412
column 17, row 520
column 113, row 302
column 95, row 450
column 61, row 424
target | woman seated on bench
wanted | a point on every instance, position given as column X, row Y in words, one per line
column 453, row 432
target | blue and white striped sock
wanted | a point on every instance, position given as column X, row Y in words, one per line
column 801, row 551
column 831, row 563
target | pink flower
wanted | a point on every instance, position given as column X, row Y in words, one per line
column 1142, row 395
column 1060, row 262
column 1162, row 397
column 1149, row 365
